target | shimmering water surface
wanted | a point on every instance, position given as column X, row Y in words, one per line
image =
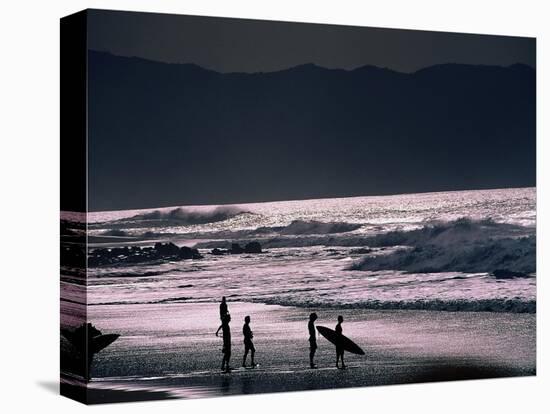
column 312, row 245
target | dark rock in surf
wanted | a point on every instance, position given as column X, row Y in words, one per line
column 72, row 255
column 219, row 252
column 189, row 253
column 236, row 249
column 253, row 247
column 167, row 249
column 119, row 251
column 134, row 254
column 78, row 347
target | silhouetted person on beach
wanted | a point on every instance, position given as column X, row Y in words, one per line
column 223, row 309
column 248, row 345
column 226, row 349
column 339, row 347
column 312, row 339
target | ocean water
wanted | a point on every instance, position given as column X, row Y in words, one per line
column 434, row 251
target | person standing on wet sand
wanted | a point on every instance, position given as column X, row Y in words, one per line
column 312, row 339
column 223, row 309
column 339, row 347
column 226, row 349
column 248, row 345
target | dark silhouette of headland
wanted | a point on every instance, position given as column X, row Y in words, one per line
column 304, row 132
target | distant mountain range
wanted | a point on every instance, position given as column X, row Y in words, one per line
column 172, row 134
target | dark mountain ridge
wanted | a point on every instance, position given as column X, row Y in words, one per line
column 173, row 134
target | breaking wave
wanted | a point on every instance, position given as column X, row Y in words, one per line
column 284, row 241
column 441, row 233
column 177, row 217
column 342, row 234
column 185, row 216
column 463, row 246
column 298, row 227
column 312, row 233
column 295, row 228
column 514, row 255
column 457, row 305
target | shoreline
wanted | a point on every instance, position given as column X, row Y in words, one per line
column 170, row 351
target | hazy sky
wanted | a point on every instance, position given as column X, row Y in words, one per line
column 239, row 45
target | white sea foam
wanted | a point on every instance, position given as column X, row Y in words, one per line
column 417, row 251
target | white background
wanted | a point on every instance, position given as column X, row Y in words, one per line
column 29, row 163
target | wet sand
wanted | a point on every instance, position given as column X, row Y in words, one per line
column 170, row 350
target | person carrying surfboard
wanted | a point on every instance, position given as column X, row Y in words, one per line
column 312, row 339
column 248, row 344
column 339, row 343
column 226, row 335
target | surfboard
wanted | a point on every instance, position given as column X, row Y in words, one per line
column 342, row 340
column 102, row 341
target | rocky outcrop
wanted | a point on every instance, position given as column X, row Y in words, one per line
column 253, row 247
column 78, row 347
column 135, row 254
column 219, row 252
column 236, row 248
